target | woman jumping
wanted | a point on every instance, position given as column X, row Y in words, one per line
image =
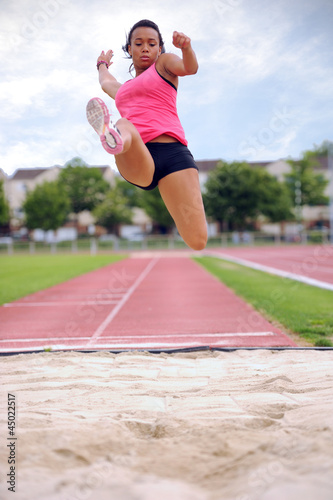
column 148, row 142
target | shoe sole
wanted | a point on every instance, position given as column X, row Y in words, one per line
column 99, row 118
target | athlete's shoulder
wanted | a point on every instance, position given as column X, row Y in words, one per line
column 165, row 63
column 166, row 57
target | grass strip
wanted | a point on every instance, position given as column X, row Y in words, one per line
column 301, row 309
column 22, row 275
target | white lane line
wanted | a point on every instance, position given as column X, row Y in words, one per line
column 143, row 345
column 120, row 304
column 272, row 270
column 146, row 337
column 61, row 304
column 65, row 347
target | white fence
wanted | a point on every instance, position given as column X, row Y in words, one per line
column 93, row 246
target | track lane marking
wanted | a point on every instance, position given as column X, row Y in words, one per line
column 98, row 332
column 122, row 337
column 61, row 304
column 272, row 270
column 137, row 345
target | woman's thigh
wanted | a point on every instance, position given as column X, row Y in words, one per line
column 181, row 194
column 135, row 164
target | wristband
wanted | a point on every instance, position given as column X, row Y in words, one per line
column 102, row 62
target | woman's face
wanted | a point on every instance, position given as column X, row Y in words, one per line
column 145, row 47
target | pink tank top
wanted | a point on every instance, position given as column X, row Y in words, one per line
column 149, row 102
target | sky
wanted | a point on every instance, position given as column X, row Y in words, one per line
column 264, row 89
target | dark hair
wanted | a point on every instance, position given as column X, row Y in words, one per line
column 144, row 23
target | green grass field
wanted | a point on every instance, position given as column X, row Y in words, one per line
column 21, row 275
column 299, row 308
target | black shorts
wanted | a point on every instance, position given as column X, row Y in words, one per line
column 168, row 157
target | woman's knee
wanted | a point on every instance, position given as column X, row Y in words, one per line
column 197, row 240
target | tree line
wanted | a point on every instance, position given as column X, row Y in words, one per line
column 236, row 195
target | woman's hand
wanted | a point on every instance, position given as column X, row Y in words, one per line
column 106, row 57
column 180, row 40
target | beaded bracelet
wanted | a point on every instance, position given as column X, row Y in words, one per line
column 102, row 62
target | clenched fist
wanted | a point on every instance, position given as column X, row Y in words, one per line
column 180, row 40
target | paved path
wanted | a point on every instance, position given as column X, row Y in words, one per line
column 143, row 302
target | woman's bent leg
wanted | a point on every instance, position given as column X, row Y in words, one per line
column 134, row 163
column 181, row 194
column 122, row 140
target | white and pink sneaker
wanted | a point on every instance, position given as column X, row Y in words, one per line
column 99, row 118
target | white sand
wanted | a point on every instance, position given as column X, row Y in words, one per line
column 234, row 426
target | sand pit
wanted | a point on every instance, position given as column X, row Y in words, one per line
column 137, row 426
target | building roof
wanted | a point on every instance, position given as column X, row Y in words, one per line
column 102, row 168
column 260, row 164
column 26, row 174
column 206, row 165
column 323, row 163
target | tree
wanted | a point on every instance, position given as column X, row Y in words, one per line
column 302, row 176
column 154, row 206
column 4, row 206
column 237, row 194
column 84, row 185
column 46, row 207
column 131, row 192
column 113, row 210
column 150, row 201
column 273, row 198
column 321, row 150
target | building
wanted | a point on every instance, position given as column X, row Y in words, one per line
column 205, row 167
column 22, row 181
column 26, row 179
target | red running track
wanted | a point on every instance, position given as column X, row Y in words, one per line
column 139, row 303
column 312, row 264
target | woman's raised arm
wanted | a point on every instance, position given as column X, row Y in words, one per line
column 188, row 64
column 108, row 82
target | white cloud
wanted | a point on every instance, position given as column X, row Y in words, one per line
column 267, row 145
column 24, row 155
column 255, row 57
